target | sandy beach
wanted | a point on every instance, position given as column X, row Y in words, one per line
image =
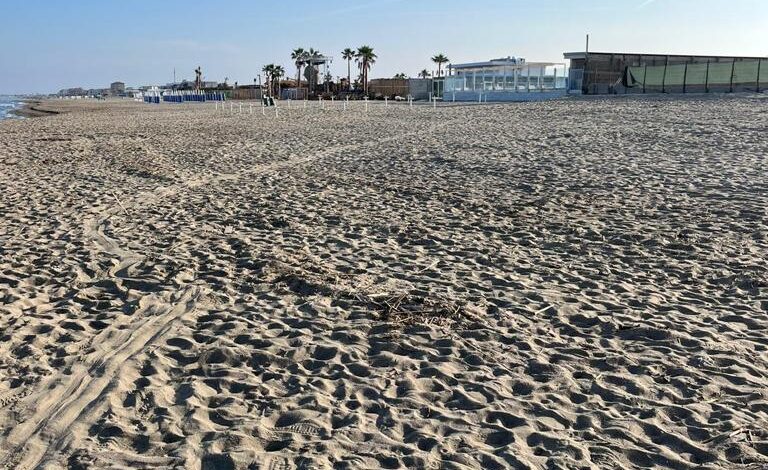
column 578, row 284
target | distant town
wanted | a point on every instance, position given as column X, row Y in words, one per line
column 119, row 89
column 504, row 79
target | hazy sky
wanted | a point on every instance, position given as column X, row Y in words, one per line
column 51, row 44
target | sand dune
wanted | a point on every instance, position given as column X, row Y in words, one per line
column 577, row 284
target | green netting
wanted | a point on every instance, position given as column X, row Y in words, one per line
column 715, row 74
column 745, row 73
column 654, row 76
column 635, row 76
column 675, row 75
column 697, row 74
column 720, row 73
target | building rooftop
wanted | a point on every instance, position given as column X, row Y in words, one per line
column 503, row 63
column 583, row 55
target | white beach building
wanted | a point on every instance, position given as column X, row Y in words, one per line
column 506, row 79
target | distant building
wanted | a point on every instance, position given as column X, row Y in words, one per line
column 595, row 73
column 98, row 92
column 506, row 79
column 73, row 92
column 246, row 92
column 416, row 88
column 117, row 88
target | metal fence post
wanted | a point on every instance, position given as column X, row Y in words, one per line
column 645, row 77
column 706, row 79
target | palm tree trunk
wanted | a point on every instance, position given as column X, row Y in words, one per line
column 349, row 74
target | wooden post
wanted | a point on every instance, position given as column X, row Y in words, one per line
column 685, row 77
column 645, row 77
column 733, row 71
column 759, row 63
column 664, row 78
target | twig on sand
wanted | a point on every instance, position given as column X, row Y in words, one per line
column 431, row 266
column 543, row 309
column 121, row 204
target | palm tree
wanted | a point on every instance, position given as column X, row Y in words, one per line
column 440, row 59
column 268, row 69
column 277, row 73
column 348, row 54
column 424, row 73
column 365, row 59
column 272, row 74
column 298, row 59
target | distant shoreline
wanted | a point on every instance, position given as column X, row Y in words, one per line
column 31, row 109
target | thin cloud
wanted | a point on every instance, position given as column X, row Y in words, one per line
column 645, row 4
column 349, row 9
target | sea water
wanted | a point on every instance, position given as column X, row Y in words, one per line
column 8, row 104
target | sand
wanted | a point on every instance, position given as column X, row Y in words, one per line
column 574, row 284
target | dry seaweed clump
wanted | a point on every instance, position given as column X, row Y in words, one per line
column 408, row 309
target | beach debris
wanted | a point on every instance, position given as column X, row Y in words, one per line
column 410, row 309
column 120, row 203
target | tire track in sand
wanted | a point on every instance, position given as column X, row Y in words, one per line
column 63, row 405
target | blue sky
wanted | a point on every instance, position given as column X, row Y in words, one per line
column 52, row 44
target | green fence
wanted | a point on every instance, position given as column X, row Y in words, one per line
column 738, row 75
